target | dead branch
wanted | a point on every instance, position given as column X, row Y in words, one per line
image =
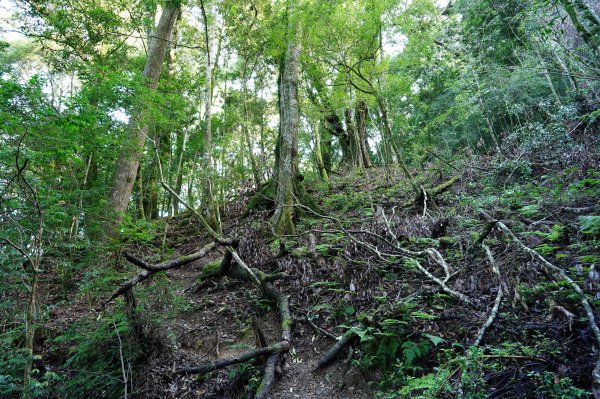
column 241, row 358
column 174, row 263
column 430, row 252
column 320, row 329
column 498, row 300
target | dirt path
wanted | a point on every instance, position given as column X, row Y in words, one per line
column 217, row 324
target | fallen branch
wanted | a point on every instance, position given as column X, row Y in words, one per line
column 430, row 252
column 320, row 329
column 174, row 263
column 241, row 358
column 498, row 300
column 484, row 234
column 441, row 283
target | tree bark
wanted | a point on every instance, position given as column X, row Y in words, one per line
column 355, row 159
column 319, row 153
column 129, row 160
column 287, row 145
column 246, row 123
column 361, row 113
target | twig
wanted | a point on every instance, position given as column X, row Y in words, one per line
column 123, row 370
column 244, row 266
column 320, row 329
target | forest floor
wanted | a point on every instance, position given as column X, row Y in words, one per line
column 412, row 337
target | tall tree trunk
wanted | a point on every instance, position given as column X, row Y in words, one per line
column 319, row 153
column 326, row 142
column 246, row 123
column 355, row 151
column 287, row 144
column 388, row 136
column 208, row 94
column 128, row 162
column 211, row 208
column 361, row 113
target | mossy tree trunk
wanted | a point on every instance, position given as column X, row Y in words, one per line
column 319, row 153
column 286, row 153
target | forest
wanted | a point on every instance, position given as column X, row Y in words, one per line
column 300, row 199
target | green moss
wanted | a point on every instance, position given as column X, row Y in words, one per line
column 211, row 269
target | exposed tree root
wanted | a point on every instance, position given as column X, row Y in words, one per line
column 150, row 270
column 264, row 282
column 241, row 358
column 331, row 354
column 234, row 266
column 563, row 275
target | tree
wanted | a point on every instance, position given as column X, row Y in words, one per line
column 129, row 160
column 286, row 152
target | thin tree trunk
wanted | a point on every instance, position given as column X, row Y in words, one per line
column 179, row 173
column 361, row 113
column 485, row 115
column 567, row 72
column 128, row 162
column 253, row 162
column 318, row 153
column 388, row 136
column 208, row 194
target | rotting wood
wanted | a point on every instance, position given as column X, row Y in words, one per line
column 427, row 195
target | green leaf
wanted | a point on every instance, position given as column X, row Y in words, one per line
column 435, row 340
column 422, row 315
